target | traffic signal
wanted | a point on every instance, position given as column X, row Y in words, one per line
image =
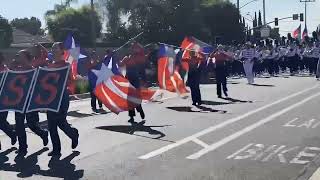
column 295, row 16
column 276, row 21
column 301, row 17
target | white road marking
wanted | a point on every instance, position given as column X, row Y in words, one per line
column 249, row 128
column 221, row 125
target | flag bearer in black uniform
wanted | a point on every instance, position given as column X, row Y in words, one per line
column 59, row 119
column 194, row 76
column 133, row 64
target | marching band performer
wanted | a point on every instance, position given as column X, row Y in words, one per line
column 248, row 56
column 23, row 62
column 4, row 125
column 221, row 59
column 133, row 65
column 92, row 63
column 316, row 56
column 194, row 76
column 59, row 119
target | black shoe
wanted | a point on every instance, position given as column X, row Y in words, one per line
column 95, row 110
column 13, row 140
column 219, row 96
column 131, row 120
column 142, row 122
column 54, row 153
column 45, row 139
column 226, row 94
column 199, row 103
column 194, row 104
column 142, row 115
column 75, row 140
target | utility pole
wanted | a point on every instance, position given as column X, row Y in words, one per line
column 264, row 12
column 305, row 10
column 93, row 29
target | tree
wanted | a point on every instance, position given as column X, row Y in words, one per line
column 76, row 21
column 260, row 19
column 31, row 26
column 5, row 33
column 171, row 20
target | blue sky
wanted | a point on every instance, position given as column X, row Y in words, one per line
column 274, row 8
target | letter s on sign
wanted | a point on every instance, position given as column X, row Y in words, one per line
column 15, row 89
column 48, row 87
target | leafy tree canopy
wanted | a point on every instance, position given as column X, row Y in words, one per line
column 5, row 33
column 31, row 26
column 77, row 21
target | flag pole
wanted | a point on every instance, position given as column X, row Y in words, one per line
column 128, row 42
column 179, row 47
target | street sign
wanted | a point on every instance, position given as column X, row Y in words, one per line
column 265, row 32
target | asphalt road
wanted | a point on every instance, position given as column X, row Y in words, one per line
column 263, row 132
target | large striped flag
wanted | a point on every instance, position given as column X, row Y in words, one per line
column 168, row 75
column 193, row 44
column 297, row 33
column 114, row 90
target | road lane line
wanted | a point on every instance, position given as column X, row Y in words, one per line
column 221, row 125
column 250, row 128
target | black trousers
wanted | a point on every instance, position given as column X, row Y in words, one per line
column 94, row 101
column 194, row 84
column 59, row 119
column 132, row 113
column 5, row 126
column 32, row 122
column 221, row 79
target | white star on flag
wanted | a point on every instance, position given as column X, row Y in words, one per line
column 103, row 74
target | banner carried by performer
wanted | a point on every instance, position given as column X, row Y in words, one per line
column 15, row 90
column 48, row 90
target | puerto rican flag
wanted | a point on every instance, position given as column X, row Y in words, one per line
column 168, row 75
column 72, row 54
column 192, row 43
column 305, row 33
column 114, row 90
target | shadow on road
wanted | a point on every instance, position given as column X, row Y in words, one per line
column 263, row 85
column 215, row 103
column 4, row 158
column 63, row 168
column 235, row 101
column 137, row 127
column 83, row 115
column 28, row 166
column 200, row 109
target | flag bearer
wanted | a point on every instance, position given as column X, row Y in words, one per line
column 22, row 63
column 133, row 64
column 59, row 119
column 194, row 76
column 94, row 61
column 4, row 125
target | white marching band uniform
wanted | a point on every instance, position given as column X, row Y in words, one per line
column 248, row 55
column 316, row 55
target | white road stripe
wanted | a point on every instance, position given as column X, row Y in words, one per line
column 316, row 175
column 221, row 125
column 249, row 128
